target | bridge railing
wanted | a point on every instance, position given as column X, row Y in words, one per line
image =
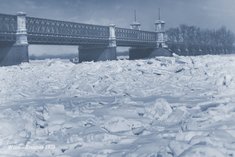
column 133, row 37
column 8, row 27
column 60, row 29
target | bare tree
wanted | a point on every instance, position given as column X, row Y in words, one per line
column 193, row 38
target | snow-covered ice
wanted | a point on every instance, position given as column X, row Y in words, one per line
column 162, row 107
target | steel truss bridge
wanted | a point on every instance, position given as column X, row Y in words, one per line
column 55, row 32
column 96, row 42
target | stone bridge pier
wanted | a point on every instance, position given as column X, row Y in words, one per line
column 100, row 52
column 16, row 53
column 141, row 53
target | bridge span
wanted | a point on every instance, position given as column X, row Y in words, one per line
column 95, row 42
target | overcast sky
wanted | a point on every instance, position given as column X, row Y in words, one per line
column 203, row 13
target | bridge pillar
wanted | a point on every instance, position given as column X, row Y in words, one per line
column 16, row 53
column 100, row 53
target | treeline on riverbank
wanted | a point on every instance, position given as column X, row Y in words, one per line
column 192, row 40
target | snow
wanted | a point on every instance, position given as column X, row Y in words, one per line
column 164, row 107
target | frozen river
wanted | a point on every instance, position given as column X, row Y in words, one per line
column 162, row 107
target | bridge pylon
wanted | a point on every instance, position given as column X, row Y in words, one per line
column 160, row 30
column 135, row 25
